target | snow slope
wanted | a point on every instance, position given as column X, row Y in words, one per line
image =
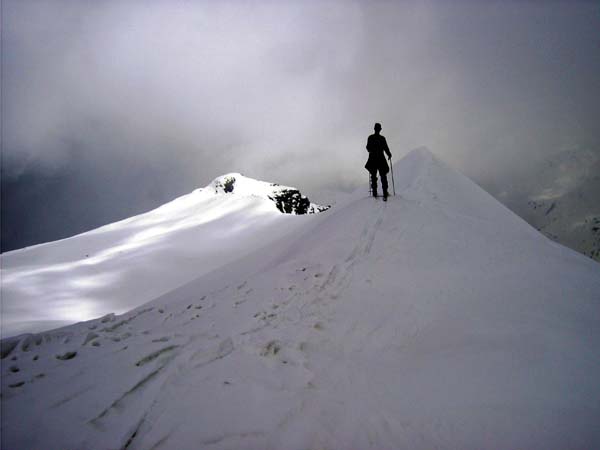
column 123, row 265
column 437, row 320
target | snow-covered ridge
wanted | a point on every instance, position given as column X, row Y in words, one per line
column 436, row 320
column 287, row 199
column 121, row 265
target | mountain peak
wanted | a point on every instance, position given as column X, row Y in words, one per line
column 422, row 176
column 287, row 200
column 421, row 152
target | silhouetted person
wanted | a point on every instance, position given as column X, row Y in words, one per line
column 376, row 145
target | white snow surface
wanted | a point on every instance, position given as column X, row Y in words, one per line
column 125, row 264
column 436, row 320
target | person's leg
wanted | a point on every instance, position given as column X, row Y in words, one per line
column 384, row 183
column 374, row 183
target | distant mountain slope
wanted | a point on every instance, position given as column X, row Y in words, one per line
column 120, row 266
column 562, row 200
column 439, row 319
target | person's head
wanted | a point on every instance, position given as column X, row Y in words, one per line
column 377, row 128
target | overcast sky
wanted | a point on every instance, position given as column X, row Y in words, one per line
column 110, row 108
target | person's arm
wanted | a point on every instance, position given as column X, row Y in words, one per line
column 369, row 144
column 387, row 149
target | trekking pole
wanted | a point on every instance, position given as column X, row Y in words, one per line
column 393, row 185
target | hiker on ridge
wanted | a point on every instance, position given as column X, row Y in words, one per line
column 376, row 145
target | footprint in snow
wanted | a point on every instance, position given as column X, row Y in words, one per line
column 90, row 337
column 108, row 318
column 152, row 356
column 262, row 315
column 31, row 340
column 66, row 356
column 271, row 349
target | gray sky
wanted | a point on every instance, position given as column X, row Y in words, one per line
column 112, row 107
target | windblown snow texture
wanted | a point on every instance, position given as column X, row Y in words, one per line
column 436, row 320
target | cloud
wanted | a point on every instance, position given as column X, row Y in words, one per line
column 170, row 78
column 288, row 91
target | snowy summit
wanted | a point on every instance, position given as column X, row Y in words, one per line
column 287, row 200
column 125, row 264
column 436, row 320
